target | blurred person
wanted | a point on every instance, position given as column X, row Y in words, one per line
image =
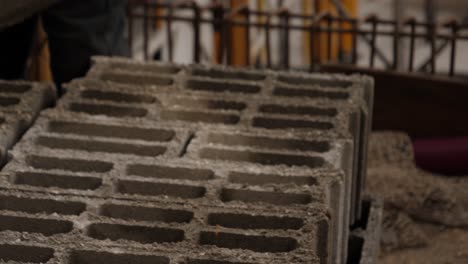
column 76, row 30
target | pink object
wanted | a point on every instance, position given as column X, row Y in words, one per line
column 442, row 155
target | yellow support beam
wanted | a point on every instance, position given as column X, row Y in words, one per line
column 339, row 42
column 347, row 40
column 322, row 44
column 238, row 38
column 39, row 61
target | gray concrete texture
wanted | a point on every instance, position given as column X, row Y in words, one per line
column 126, row 233
column 371, row 231
column 364, row 241
column 68, row 155
column 269, row 100
column 153, row 163
column 20, row 104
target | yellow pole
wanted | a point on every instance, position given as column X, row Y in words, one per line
column 307, row 10
column 347, row 40
column 238, row 39
column 321, row 41
column 39, row 66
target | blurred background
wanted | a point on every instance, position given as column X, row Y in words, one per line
column 428, row 14
column 417, row 52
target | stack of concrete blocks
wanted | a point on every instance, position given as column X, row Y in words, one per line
column 161, row 163
column 20, row 104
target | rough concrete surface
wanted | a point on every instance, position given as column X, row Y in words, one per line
column 152, row 163
column 425, row 216
column 299, row 94
column 20, row 104
column 365, row 235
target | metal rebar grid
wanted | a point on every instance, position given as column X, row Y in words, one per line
column 438, row 36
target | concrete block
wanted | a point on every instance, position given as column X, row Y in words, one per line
column 260, row 88
column 191, row 164
column 364, row 242
column 20, row 104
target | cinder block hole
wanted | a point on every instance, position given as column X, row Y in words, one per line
column 364, row 218
column 282, row 123
column 39, row 205
column 94, row 257
column 220, row 74
column 64, row 181
column 261, row 158
column 268, row 143
column 100, row 146
column 155, row 189
column 141, row 234
column 75, row 165
column 276, row 198
column 108, row 110
column 115, row 131
column 204, row 117
column 245, row 221
column 211, row 261
column 14, row 88
column 204, row 104
column 136, row 79
column 210, row 86
column 164, row 172
column 265, row 179
column 355, row 246
column 118, row 97
column 142, row 213
column 297, row 110
column 9, row 101
column 322, row 246
column 314, row 81
column 25, row 254
column 145, row 68
column 250, row 242
column 283, row 91
column 46, row 227
column 2, row 120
